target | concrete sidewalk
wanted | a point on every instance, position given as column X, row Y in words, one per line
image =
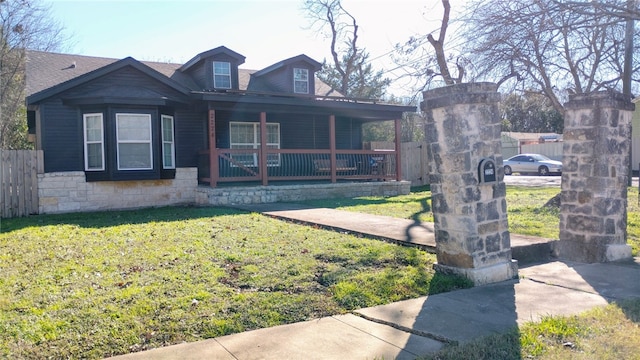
column 407, row 329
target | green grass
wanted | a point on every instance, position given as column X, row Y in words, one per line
column 99, row 284
column 609, row 332
column 526, row 208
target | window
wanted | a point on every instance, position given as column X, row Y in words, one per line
column 93, row 142
column 221, row 75
column 300, row 81
column 168, row 145
column 134, row 147
column 246, row 135
column 129, row 144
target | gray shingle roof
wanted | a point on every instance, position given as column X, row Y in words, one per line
column 47, row 69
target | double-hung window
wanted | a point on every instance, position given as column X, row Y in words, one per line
column 168, row 144
column 134, row 145
column 221, row 75
column 300, row 81
column 93, row 142
column 246, row 135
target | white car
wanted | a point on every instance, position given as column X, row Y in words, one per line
column 532, row 163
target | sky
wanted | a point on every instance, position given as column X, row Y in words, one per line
column 264, row 31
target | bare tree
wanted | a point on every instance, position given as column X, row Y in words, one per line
column 543, row 46
column 425, row 56
column 438, row 47
column 350, row 71
column 25, row 24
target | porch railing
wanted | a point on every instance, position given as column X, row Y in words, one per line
column 237, row 165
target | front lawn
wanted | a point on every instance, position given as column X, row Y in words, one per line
column 99, row 284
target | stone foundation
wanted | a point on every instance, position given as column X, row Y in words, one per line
column 63, row 192
column 239, row 195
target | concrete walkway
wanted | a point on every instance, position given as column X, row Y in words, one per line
column 525, row 249
column 407, row 329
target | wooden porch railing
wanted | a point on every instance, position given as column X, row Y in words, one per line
column 239, row 165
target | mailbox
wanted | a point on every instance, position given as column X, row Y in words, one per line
column 487, row 171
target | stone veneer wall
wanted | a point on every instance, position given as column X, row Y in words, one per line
column 593, row 212
column 62, row 192
column 462, row 129
column 238, row 195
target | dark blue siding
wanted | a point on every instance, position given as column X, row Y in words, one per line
column 62, row 139
column 126, row 82
column 191, row 136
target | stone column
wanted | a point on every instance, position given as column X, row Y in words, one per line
column 593, row 210
column 463, row 135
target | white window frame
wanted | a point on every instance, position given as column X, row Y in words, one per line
column 298, row 79
column 168, row 143
column 228, row 75
column 255, row 144
column 88, row 142
column 136, row 141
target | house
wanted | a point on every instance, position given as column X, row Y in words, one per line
column 125, row 133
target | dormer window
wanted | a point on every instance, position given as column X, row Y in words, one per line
column 300, row 81
column 221, row 75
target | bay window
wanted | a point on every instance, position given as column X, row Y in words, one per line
column 129, row 145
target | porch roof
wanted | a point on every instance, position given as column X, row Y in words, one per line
column 304, row 104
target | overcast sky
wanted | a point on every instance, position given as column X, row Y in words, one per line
column 264, row 31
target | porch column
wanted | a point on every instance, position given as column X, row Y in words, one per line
column 593, row 210
column 332, row 147
column 263, row 148
column 467, row 182
column 398, row 129
column 213, row 154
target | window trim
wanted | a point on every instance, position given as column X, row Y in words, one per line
column 171, row 143
column 118, row 142
column 87, row 142
column 228, row 67
column 256, row 142
column 296, row 80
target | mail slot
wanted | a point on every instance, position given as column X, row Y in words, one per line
column 487, row 171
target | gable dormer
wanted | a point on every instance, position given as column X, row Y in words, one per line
column 215, row 69
column 295, row 75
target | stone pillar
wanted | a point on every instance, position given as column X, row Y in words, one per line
column 463, row 135
column 593, row 210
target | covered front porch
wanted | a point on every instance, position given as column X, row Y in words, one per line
column 308, row 140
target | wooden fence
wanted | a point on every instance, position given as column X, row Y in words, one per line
column 413, row 158
column 19, row 171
